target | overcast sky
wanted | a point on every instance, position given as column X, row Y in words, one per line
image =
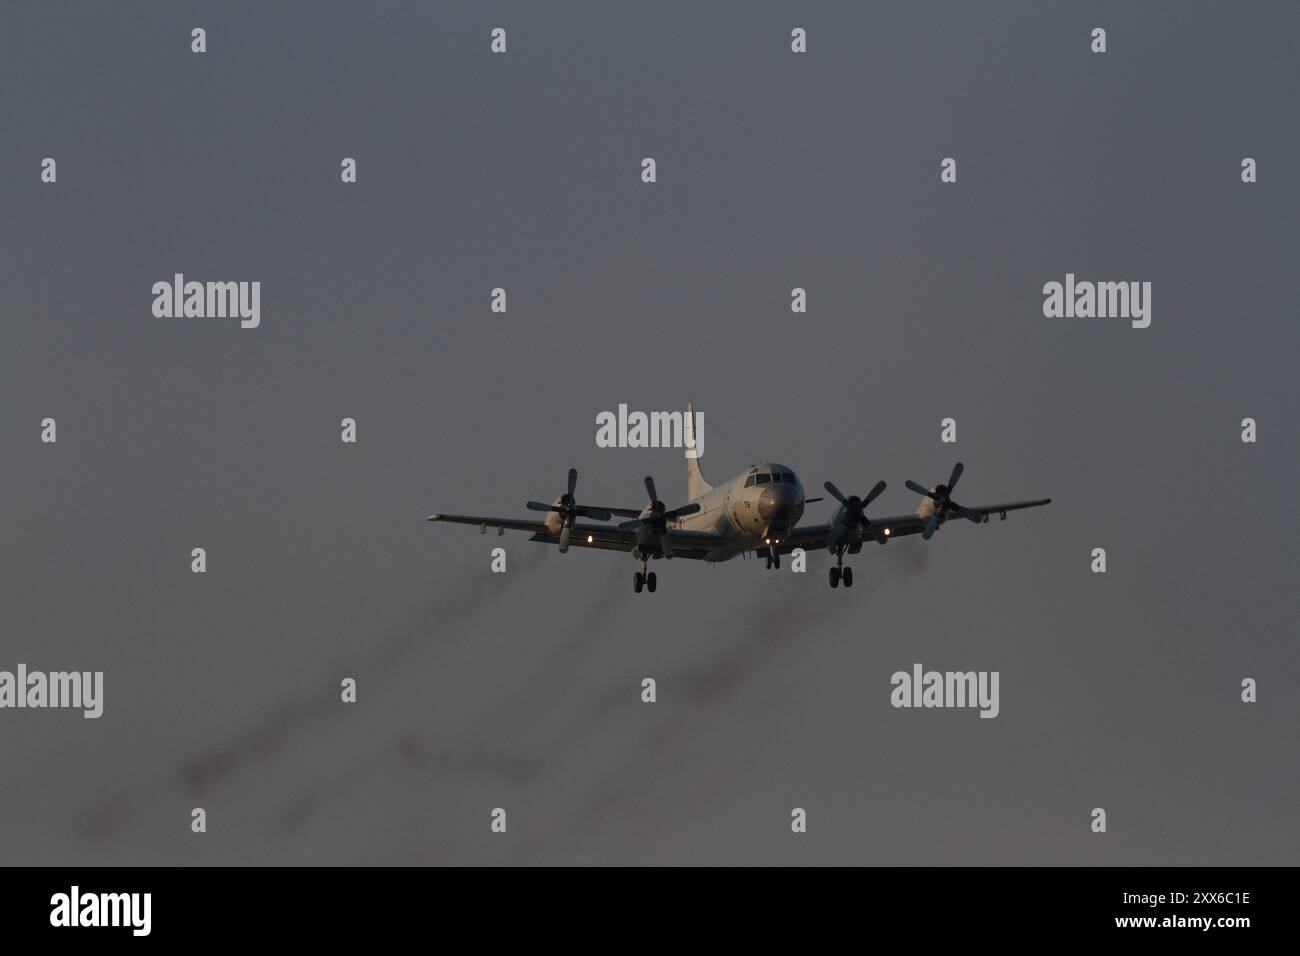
column 775, row 170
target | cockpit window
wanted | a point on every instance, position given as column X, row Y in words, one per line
column 789, row 477
column 749, row 482
column 762, row 479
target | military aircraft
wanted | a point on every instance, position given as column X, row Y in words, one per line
column 757, row 511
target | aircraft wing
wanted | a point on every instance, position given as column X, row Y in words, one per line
column 1002, row 510
column 511, row 524
column 813, row 536
column 686, row 544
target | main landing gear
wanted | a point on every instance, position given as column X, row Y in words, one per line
column 840, row 573
column 644, row 579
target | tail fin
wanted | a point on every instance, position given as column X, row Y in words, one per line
column 696, row 486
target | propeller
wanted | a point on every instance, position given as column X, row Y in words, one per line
column 655, row 519
column 854, row 510
column 943, row 503
column 568, row 509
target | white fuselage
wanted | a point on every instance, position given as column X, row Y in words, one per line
column 758, row 507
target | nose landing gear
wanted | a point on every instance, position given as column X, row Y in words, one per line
column 773, row 561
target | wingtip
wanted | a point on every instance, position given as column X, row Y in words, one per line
column 433, row 517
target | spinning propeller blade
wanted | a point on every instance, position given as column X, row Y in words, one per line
column 835, row 493
column 941, row 495
column 852, row 515
column 568, row 509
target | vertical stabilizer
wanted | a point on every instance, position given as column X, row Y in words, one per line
column 696, row 486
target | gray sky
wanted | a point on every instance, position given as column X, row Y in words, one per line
column 775, row 170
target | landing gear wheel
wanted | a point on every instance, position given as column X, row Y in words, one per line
column 768, row 566
column 847, row 575
column 835, row 577
column 776, row 562
column 637, row 581
column 651, row 582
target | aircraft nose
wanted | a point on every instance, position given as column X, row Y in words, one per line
column 776, row 504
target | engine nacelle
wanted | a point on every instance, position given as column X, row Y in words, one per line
column 553, row 520
column 926, row 508
column 647, row 540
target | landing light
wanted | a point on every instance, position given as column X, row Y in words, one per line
column 886, row 532
column 590, row 538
